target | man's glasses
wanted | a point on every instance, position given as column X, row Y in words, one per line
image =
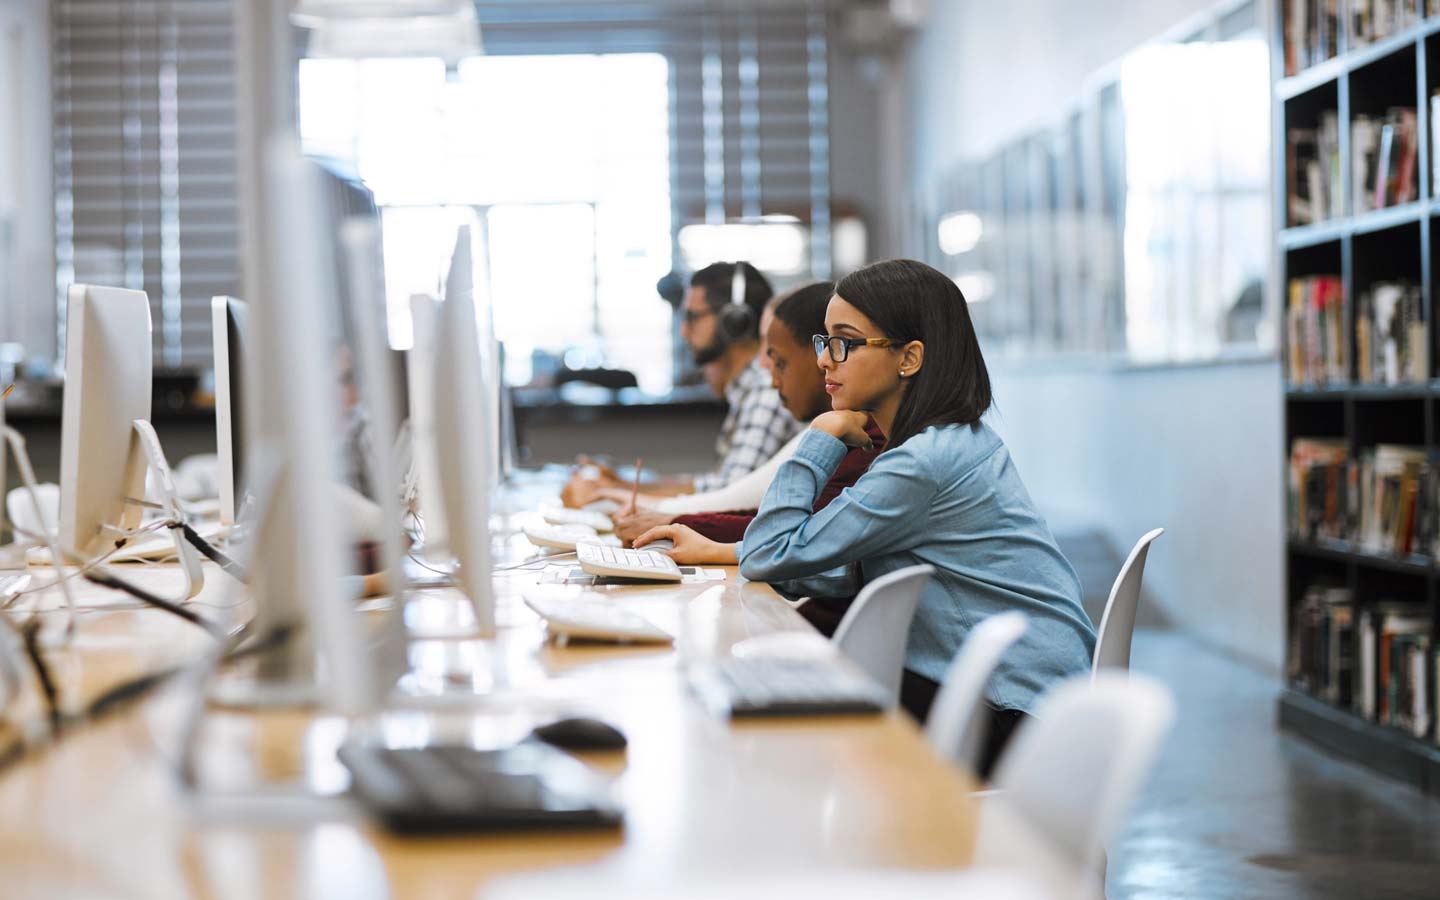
column 840, row 347
column 691, row 316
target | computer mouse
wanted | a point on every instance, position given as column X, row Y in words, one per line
column 580, row 733
column 659, row 545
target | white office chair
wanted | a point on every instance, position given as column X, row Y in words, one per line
column 957, row 723
column 1071, row 775
column 1117, row 624
column 875, row 627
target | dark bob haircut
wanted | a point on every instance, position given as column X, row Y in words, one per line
column 802, row 311
column 910, row 301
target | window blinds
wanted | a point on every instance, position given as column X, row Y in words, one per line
column 144, row 110
column 145, row 132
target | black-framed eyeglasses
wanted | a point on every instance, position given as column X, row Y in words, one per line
column 692, row 316
column 840, row 347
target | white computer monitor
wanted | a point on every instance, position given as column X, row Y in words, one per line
column 107, row 443
column 463, row 420
column 227, row 318
column 107, row 388
column 298, row 571
column 420, row 375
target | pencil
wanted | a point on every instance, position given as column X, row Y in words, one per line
column 635, row 488
column 7, row 391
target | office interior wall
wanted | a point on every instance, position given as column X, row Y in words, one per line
column 27, row 257
column 1196, row 450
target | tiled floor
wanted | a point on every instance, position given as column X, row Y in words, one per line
column 1238, row 809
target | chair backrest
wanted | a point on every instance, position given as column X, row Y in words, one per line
column 958, row 719
column 876, row 626
column 1073, row 772
column 1117, row 624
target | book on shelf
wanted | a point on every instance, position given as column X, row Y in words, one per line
column 1384, row 501
column 1321, row 655
column 1394, row 639
column 1434, row 134
column 1375, row 20
column 1312, row 172
column 1396, row 501
column 1383, row 155
column 1319, row 489
column 1312, row 30
column 1318, row 350
column 1390, row 337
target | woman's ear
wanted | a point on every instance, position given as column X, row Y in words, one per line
column 912, row 358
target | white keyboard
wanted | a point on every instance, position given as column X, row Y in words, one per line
column 565, row 537
column 560, row 515
column 617, row 562
column 595, row 620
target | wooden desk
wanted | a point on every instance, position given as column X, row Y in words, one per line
column 101, row 813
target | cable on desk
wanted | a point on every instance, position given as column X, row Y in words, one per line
column 125, row 693
column 536, row 560
column 209, row 550
column 105, row 579
column 31, row 632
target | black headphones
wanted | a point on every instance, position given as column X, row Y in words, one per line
column 737, row 319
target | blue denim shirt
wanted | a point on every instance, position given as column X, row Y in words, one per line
column 951, row 497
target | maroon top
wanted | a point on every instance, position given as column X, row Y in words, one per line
column 729, row 527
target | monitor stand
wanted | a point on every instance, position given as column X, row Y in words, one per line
column 186, row 555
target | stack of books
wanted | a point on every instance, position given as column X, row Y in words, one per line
column 1321, row 657
column 1383, row 154
column 1390, row 339
column 1395, row 501
column 1312, row 172
column 1315, row 331
column 1320, row 490
column 1394, row 647
column 1312, row 30
column 1375, row 20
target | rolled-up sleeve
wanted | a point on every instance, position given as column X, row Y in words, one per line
column 884, row 511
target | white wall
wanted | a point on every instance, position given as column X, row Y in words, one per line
column 27, row 272
column 1197, row 450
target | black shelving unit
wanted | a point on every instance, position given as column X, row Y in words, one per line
column 1390, row 243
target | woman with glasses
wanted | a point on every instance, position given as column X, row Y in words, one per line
column 900, row 347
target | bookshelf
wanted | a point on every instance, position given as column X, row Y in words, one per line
column 1357, row 237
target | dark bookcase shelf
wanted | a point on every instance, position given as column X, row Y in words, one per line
column 1369, row 251
column 1345, row 551
column 1387, row 750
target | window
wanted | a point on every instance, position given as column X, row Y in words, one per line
column 144, row 125
column 565, row 158
column 1138, row 224
column 1196, row 236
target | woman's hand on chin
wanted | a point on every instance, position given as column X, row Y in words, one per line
column 691, row 547
column 845, row 424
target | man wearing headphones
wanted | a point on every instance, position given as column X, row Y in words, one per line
column 720, row 322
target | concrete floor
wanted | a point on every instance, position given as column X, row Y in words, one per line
column 1238, row 809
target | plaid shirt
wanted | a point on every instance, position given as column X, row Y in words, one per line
column 756, row 426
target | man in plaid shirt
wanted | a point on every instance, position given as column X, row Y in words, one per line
column 721, row 324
